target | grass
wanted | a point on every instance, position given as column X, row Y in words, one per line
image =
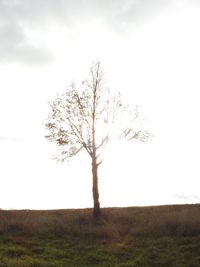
column 122, row 237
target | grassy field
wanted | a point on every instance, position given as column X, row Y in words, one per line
column 122, row 237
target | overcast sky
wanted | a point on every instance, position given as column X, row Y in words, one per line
column 149, row 50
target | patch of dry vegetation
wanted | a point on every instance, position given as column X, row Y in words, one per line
column 178, row 220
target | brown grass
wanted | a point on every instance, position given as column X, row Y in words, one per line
column 115, row 223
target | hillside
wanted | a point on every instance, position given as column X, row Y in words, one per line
column 123, row 237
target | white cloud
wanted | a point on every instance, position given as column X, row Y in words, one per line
column 20, row 18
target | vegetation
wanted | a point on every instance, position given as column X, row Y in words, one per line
column 121, row 237
column 81, row 120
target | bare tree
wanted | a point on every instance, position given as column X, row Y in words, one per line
column 83, row 119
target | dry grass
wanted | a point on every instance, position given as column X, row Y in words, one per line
column 178, row 220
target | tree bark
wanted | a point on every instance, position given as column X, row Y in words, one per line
column 95, row 190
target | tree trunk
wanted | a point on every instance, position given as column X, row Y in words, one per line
column 95, row 190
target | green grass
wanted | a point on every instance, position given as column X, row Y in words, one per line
column 123, row 237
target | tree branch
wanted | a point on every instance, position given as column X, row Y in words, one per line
column 103, row 142
column 79, row 136
column 99, row 163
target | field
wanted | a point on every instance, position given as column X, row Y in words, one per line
column 123, row 237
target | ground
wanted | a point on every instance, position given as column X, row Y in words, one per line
column 123, row 237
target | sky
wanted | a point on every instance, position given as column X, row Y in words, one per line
column 149, row 50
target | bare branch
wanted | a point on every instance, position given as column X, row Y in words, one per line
column 79, row 136
column 99, row 163
column 103, row 142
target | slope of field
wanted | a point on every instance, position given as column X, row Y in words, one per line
column 123, row 237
